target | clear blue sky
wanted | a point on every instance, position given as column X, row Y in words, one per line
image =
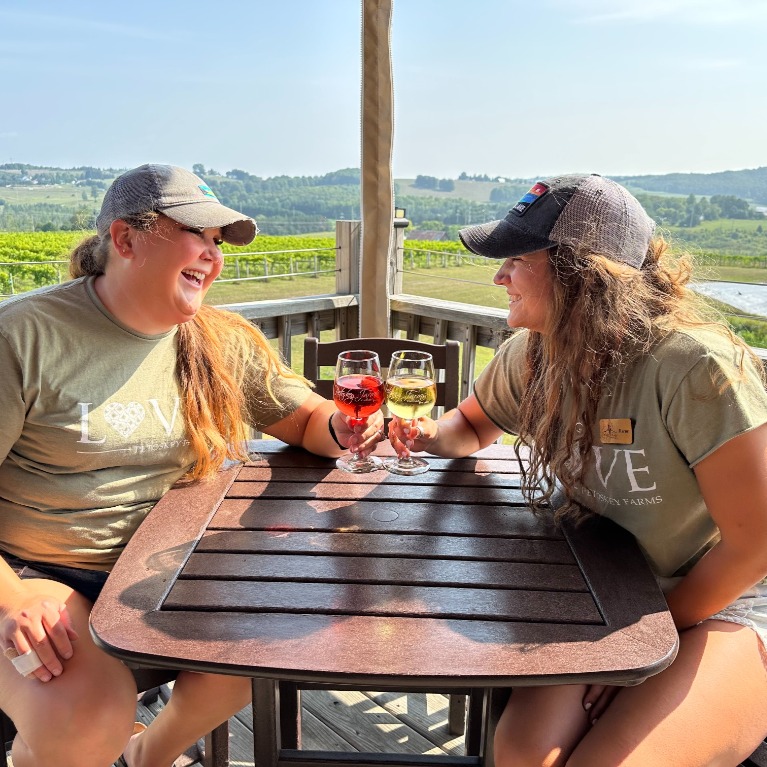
column 502, row 87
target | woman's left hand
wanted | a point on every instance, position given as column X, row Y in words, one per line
column 597, row 698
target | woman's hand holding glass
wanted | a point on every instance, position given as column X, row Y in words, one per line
column 408, row 435
column 358, row 392
column 359, row 439
column 411, row 393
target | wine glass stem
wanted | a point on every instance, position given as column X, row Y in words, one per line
column 411, row 426
column 355, row 422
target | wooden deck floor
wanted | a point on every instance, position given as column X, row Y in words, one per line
column 353, row 721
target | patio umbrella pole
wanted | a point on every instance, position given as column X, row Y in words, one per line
column 376, row 183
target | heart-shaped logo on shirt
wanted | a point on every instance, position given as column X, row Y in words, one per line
column 124, row 419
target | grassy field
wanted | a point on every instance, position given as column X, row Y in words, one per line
column 744, row 225
column 471, row 285
column 474, row 191
column 732, row 274
column 55, row 194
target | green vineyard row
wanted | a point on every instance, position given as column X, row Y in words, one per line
column 29, row 259
column 34, row 259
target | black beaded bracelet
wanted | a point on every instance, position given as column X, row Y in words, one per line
column 333, row 431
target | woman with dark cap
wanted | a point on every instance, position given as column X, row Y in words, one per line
column 639, row 407
column 115, row 385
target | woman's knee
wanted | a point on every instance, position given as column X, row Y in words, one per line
column 81, row 734
column 221, row 687
column 79, row 717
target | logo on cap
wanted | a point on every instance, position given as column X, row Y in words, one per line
column 535, row 193
column 207, row 191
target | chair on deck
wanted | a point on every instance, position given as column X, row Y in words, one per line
column 319, row 355
column 150, row 684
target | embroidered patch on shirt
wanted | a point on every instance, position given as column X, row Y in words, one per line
column 207, row 191
column 537, row 191
column 616, row 431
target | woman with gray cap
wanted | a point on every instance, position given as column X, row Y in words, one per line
column 115, row 385
column 640, row 407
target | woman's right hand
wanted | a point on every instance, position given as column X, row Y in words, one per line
column 416, row 435
column 39, row 622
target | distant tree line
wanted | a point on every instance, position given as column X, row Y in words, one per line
column 302, row 204
column 437, row 184
column 691, row 210
column 749, row 184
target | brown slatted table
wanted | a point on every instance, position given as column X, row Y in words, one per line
column 288, row 569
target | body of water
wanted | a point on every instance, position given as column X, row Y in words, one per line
column 750, row 299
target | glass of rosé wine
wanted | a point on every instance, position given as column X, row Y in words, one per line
column 358, row 392
column 411, row 392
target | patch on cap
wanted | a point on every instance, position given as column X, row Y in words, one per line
column 535, row 193
column 207, row 191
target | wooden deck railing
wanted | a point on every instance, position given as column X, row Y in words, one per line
column 411, row 316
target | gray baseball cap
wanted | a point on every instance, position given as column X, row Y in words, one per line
column 176, row 193
column 579, row 210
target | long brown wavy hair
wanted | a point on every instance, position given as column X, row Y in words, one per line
column 215, row 351
column 605, row 314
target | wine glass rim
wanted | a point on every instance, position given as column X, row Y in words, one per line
column 358, row 355
column 411, row 354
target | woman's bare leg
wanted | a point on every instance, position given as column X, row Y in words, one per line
column 199, row 703
column 708, row 708
column 540, row 726
column 82, row 718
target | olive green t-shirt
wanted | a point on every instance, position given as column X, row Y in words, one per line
column 674, row 415
column 91, row 429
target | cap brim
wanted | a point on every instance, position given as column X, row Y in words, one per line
column 501, row 239
column 236, row 228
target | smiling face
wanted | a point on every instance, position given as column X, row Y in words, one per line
column 159, row 278
column 528, row 281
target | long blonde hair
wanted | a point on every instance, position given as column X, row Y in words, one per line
column 215, row 351
column 605, row 314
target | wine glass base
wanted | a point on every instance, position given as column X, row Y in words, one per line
column 360, row 466
column 407, row 466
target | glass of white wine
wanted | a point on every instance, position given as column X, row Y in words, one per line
column 411, row 392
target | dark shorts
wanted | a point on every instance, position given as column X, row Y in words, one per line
column 87, row 582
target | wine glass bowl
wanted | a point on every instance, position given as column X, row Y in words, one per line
column 358, row 392
column 411, row 392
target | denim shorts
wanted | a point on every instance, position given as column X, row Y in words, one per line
column 87, row 582
column 749, row 610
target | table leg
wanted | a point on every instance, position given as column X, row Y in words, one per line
column 476, row 721
column 266, row 746
column 289, row 713
column 217, row 747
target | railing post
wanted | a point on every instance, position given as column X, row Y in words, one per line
column 396, row 261
column 469, row 333
column 349, row 244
